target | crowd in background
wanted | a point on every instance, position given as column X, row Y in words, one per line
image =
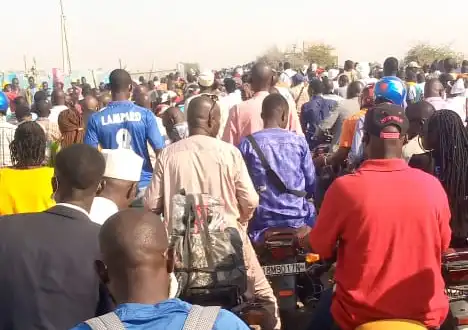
column 45, row 133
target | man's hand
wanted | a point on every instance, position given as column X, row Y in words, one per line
column 303, row 237
column 320, row 161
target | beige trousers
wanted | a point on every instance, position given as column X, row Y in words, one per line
column 258, row 287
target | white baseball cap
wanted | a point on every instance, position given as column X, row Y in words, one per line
column 413, row 64
column 122, row 164
column 206, row 79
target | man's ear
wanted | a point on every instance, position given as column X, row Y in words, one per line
column 101, row 187
column 170, row 259
column 132, row 191
column 210, row 121
column 284, row 116
column 422, row 122
column 101, row 270
column 54, row 182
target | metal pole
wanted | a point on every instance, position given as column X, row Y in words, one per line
column 151, row 72
column 61, row 37
column 65, row 37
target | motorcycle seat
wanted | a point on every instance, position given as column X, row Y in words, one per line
column 284, row 233
column 392, row 325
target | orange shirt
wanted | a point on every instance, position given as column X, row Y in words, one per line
column 349, row 128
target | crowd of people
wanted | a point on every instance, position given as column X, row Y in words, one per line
column 89, row 175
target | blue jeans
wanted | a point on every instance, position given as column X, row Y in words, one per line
column 323, row 319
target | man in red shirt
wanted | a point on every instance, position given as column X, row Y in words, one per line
column 391, row 223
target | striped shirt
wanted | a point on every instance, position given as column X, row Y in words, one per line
column 7, row 134
column 52, row 133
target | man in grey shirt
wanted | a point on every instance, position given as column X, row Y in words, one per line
column 344, row 110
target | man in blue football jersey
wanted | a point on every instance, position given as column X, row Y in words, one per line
column 122, row 124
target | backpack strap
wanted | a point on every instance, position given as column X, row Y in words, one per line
column 201, row 318
column 109, row 321
column 272, row 176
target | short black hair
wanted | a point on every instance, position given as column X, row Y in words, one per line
column 87, row 90
column 20, row 101
column 315, row 87
column 29, row 145
column 390, row 66
column 43, row 108
column 450, row 64
column 328, row 85
column 348, row 65
column 22, row 111
column 445, row 78
column 421, row 78
column 80, row 165
column 272, row 103
column 40, row 96
column 230, row 85
column 343, row 79
column 354, row 89
column 411, row 76
column 119, row 81
column 287, row 65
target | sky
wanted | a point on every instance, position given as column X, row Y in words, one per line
column 157, row 34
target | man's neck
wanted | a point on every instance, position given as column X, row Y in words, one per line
column 262, row 89
column 199, row 131
column 134, row 290
column 117, row 97
column 386, row 156
column 206, row 90
column 270, row 125
column 85, row 205
column 116, row 200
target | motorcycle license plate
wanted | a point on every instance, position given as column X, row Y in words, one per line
column 285, row 269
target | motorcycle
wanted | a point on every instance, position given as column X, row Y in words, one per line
column 294, row 274
column 455, row 273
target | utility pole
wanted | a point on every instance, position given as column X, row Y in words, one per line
column 64, row 40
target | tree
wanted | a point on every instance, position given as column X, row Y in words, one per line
column 272, row 56
column 426, row 54
column 320, row 53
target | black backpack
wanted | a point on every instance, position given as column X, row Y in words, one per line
column 209, row 259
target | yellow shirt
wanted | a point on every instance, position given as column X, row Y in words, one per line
column 25, row 190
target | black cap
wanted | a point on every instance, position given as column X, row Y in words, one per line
column 383, row 115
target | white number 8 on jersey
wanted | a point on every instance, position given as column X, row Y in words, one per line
column 123, row 139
